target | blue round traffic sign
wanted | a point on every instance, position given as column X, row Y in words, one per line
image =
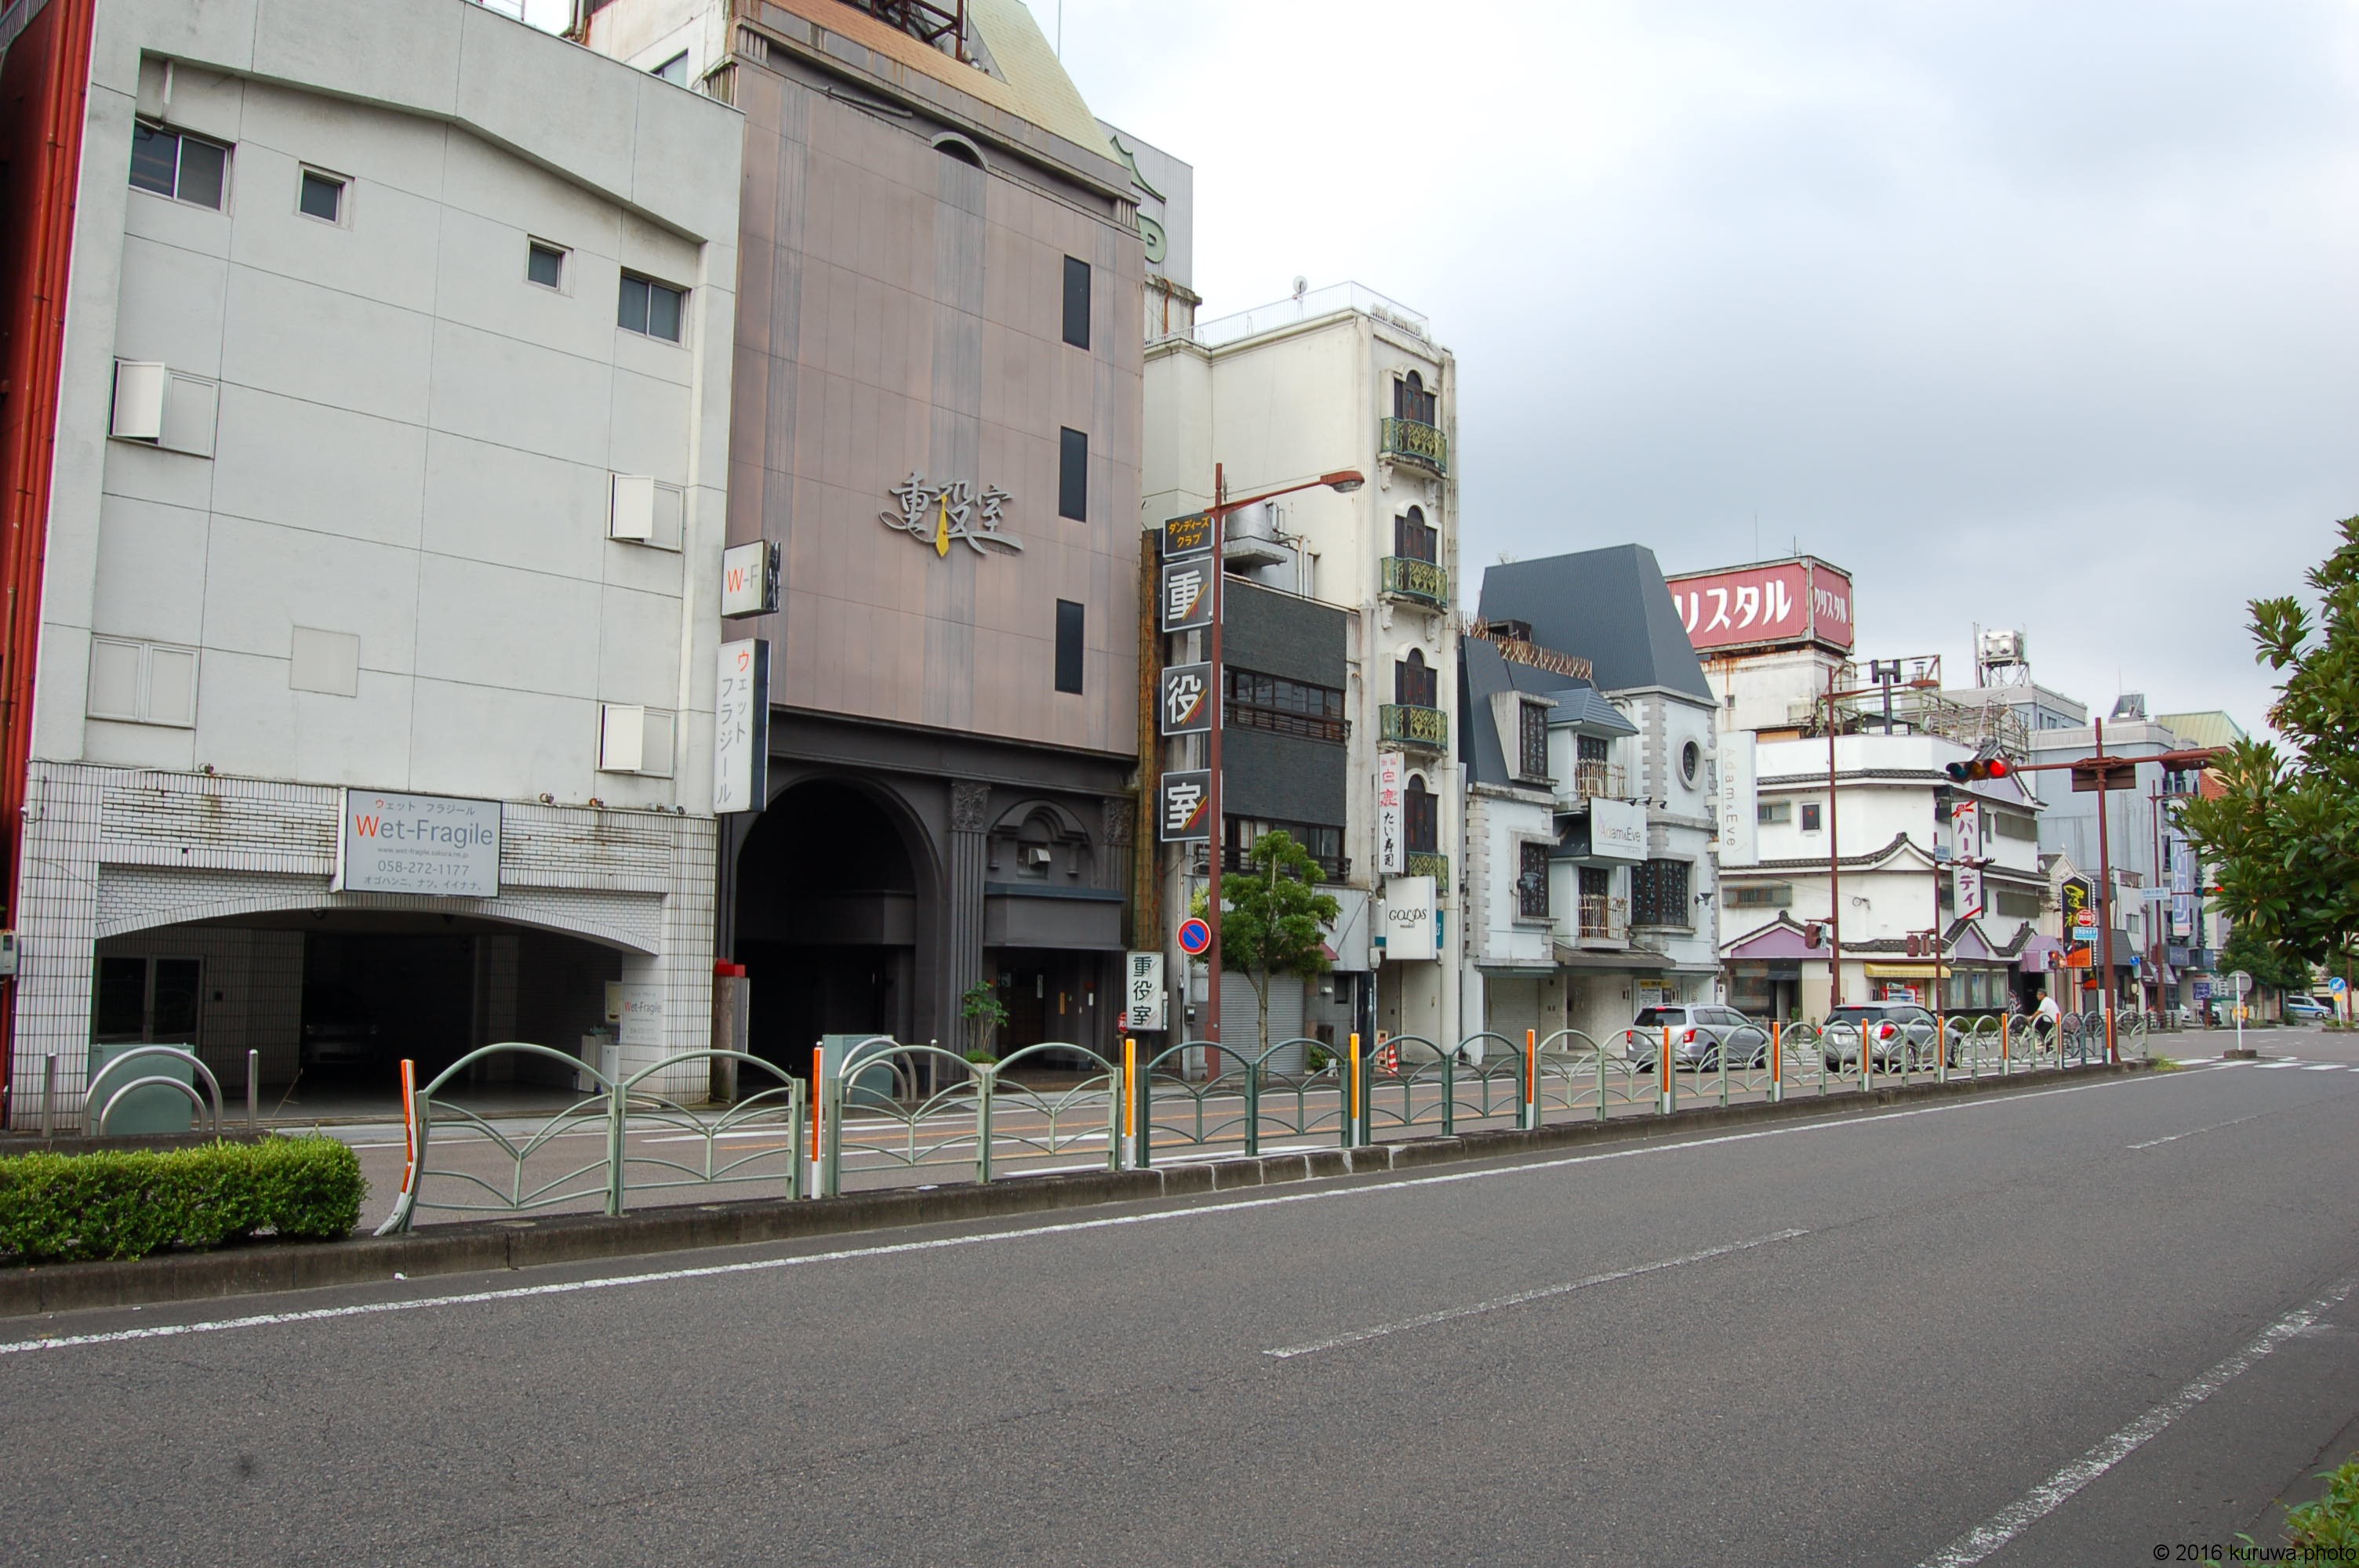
column 2336, row 984
column 1195, row 936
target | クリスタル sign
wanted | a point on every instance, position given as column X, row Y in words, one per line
column 428, row 843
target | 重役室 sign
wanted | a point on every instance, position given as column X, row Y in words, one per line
column 428, row 843
column 1141, row 999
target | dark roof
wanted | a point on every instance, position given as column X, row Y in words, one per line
column 1586, row 706
column 1610, row 607
column 1483, row 674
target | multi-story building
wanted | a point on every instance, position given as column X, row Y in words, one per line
column 1332, row 380
column 1632, row 768
column 936, row 428
column 372, row 540
column 1859, row 849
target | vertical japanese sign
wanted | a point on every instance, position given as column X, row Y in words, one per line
column 1186, row 704
column 1142, row 997
column 741, row 727
column 1966, row 830
column 1392, row 843
column 1186, row 600
column 2182, row 888
column 1183, row 813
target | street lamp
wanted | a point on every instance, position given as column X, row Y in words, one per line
column 1343, row 481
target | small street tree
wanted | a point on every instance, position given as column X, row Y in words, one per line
column 2282, row 837
column 1272, row 917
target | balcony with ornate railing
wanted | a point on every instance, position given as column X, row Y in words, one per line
column 1420, row 583
column 1412, row 440
column 1592, row 779
column 1331, row 868
column 1424, row 863
column 1405, row 724
column 1604, row 919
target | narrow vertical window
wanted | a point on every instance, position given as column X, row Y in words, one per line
column 1068, row 645
column 1076, row 302
column 1073, row 475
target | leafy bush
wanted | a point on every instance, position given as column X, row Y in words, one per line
column 63, row 1208
column 2333, row 1519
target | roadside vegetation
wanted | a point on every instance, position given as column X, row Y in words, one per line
column 70, row 1208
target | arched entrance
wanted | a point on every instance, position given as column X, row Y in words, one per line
column 829, row 920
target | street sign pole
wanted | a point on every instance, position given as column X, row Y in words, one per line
column 2105, row 907
column 1219, row 698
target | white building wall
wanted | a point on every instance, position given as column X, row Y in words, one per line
column 411, row 454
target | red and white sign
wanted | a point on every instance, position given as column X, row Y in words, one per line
column 1796, row 601
column 1392, row 772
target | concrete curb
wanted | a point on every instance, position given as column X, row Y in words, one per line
column 484, row 1246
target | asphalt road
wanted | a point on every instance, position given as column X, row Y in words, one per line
column 2066, row 1328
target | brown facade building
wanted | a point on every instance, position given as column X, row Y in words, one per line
column 937, row 411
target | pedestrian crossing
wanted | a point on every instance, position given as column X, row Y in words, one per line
column 2285, row 1064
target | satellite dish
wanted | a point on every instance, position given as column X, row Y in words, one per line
column 1302, row 286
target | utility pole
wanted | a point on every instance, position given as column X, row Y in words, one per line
column 1220, row 699
column 2106, row 899
column 1834, row 866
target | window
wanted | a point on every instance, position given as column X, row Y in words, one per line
column 1532, row 740
column 1324, row 843
column 674, row 70
column 650, row 309
column 1068, row 645
column 1590, row 747
column 1420, row 817
column 2007, row 825
column 1414, row 683
column 544, row 264
column 634, row 739
column 1076, row 302
column 2017, row 906
column 646, row 511
column 1283, row 706
column 1772, row 811
column 1691, row 761
column 1596, row 881
column 320, row 196
column 1532, row 880
column 1073, row 475
column 159, row 406
column 145, row 1000
column 1768, row 895
column 1658, row 894
column 1414, row 538
column 142, row 682
column 1411, row 401
column 1809, row 817
column 183, row 168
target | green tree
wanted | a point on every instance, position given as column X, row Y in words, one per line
column 2268, row 963
column 1271, row 918
column 2282, row 837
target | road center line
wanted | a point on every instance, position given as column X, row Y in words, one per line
column 1521, row 1298
column 2058, row 1489
column 2159, row 1143
column 936, row 1244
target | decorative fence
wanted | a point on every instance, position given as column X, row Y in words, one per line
column 891, row 1112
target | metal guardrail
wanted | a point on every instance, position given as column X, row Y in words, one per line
column 915, row 1107
column 208, row 1103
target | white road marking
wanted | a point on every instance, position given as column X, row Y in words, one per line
column 2323, row 1067
column 1111, row 1222
column 2058, row 1489
column 1521, row 1298
column 2159, row 1143
column 2276, row 1066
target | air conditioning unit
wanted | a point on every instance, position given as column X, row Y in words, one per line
column 1254, row 538
column 1037, row 855
column 2003, row 648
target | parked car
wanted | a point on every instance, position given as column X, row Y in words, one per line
column 2306, row 1010
column 1699, row 1034
column 1900, row 1034
column 338, row 1030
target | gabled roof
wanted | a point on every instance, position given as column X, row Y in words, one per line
column 1610, row 607
column 1483, row 673
column 1585, row 707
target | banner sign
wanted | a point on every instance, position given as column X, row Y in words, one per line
column 1392, row 840
column 1188, row 535
column 1186, row 600
column 1966, row 829
column 1410, row 930
column 749, row 579
column 1185, row 706
column 740, row 728
column 1183, row 813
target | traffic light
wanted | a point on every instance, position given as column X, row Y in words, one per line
column 1983, row 766
column 1916, row 945
column 1814, row 934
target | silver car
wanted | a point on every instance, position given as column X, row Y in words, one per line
column 1900, row 1035
column 1698, row 1035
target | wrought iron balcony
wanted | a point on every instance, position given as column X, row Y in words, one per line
column 1604, row 919
column 1411, row 440
column 1421, row 864
column 1592, row 778
column 1421, row 582
column 1233, row 860
column 1407, row 725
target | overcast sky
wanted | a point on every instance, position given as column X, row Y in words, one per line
column 2030, row 315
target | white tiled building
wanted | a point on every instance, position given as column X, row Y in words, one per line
column 391, row 453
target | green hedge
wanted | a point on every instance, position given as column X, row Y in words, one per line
column 65, row 1208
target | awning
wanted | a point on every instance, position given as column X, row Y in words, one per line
column 1634, row 963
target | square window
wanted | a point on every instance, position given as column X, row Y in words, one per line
column 322, row 197
column 142, row 682
column 1073, row 475
column 544, row 264
column 674, row 70
column 649, row 308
